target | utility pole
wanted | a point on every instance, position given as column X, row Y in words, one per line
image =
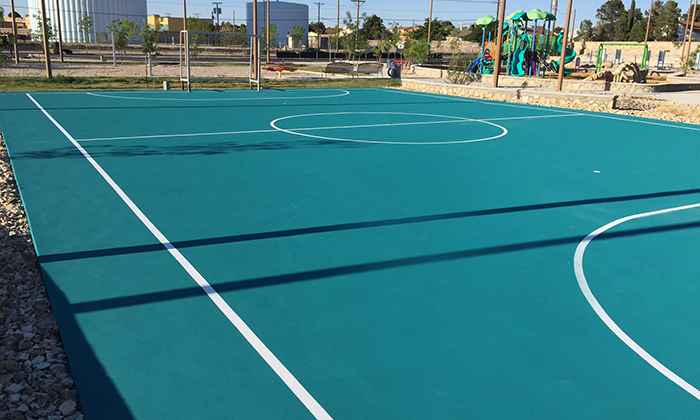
column 357, row 27
column 60, row 36
column 337, row 33
column 217, row 11
column 256, row 40
column 14, row 30
column 319, row 10
column 685, row 32
column 47, row 56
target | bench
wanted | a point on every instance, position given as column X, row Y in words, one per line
column 369, row 68
column 339, row 68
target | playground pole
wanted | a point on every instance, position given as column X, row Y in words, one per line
column 685, row 32
column 560, row 79
column 651, row 9
column 430, row 23
column 690, row 38
column 499, row 43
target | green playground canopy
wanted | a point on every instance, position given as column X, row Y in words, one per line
column 536, row 14
column 485, row 21
column 520, row 14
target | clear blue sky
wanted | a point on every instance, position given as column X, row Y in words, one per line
column 402, row 11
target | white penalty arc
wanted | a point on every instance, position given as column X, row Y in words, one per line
column 593, row 302
column 450, row 119
column 341, row 92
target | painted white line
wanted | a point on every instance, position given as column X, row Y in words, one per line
column 156, row 136
column 532, row 117
column 292, row 383
column 583, row 285
column 343, row 92
column 481, row 101
column 640, row 121
column 453, row 119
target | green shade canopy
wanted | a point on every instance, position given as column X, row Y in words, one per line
column 536, row 14
column 486, row 20
column 520, row 14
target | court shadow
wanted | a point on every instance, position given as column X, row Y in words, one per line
column 202, row 149
column 136, row 249
column 98, row 396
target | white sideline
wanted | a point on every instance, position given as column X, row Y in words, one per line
column 292, row 383
column 593, row 302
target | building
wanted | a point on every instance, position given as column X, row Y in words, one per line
column 684, row 26
column 102, row 12
column 284, row 16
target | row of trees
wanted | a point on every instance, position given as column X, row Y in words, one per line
column 616, row 23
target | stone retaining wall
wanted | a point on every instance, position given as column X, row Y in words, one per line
column 533, row 97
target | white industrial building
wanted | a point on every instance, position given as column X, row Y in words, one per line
column 284, row 15
column 102, row 12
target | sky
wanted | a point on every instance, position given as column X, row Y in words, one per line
column 405, row 12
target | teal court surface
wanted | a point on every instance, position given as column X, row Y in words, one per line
column 363, row 254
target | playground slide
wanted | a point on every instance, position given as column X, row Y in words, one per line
column 570, row 54
column 521, row 58
column 474, row 66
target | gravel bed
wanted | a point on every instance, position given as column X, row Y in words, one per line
column 35, row 377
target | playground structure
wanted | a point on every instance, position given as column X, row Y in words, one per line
column 525, row 54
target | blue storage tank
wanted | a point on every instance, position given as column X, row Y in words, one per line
column 282, row 14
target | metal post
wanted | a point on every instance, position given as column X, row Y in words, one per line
column 47, row 55
column 14, row 30
column 150, row 65
column 187, row 40
column 560, row 79
column 60, row 35
column 651, row 9
column 499, row 44
column 114, row 51
column 256, row 41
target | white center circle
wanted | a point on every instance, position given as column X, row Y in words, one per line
column 440, row 119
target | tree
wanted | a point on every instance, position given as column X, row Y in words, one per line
column 389, row 40
column 230, row 42
column 353, row 42
column 38, row 36
column 609, row 15
column 372, row 27
column 2, row 13
column 638, row 32
column 197, row 25
column 273, row 37
column 85, row 26
column 297, row 34
column 439, row 30
column 123, row 32
column 149, row 39
column 317, row 27
column 667, row 22
column 585, row 32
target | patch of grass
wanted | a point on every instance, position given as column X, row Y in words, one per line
column 64, row 83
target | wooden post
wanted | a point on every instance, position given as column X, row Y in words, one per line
column 692, row 26
column 14, row 30
column 499, row 43
column 651, row 9
column 685, row 32
column 560, row 79
column 60, row 34
column 430, row 23
column 47, row 54
column 267, row 26
column 337, row 33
